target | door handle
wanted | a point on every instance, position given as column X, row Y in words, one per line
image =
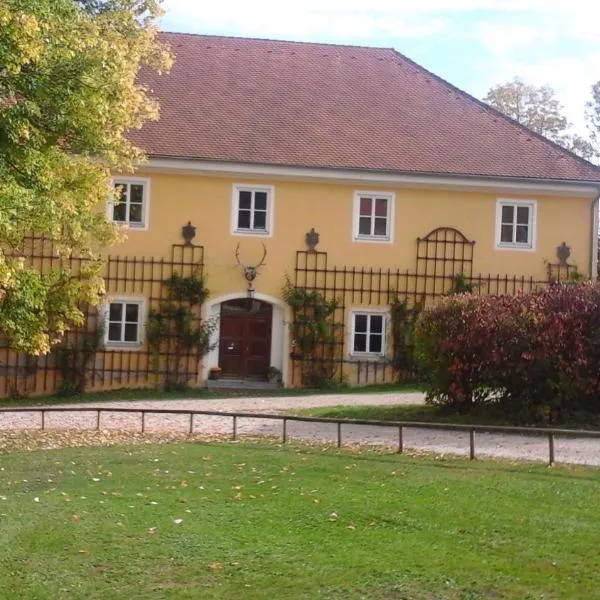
column 231, row 346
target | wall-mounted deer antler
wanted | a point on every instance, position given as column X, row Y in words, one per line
column 250, row 271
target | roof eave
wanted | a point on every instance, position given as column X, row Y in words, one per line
column 459, row 181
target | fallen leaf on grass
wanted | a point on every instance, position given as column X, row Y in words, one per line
column 215, row 566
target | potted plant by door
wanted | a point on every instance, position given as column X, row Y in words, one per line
column 274, row 375
column 214, row 373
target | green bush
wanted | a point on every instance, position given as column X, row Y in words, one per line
column 537, row 355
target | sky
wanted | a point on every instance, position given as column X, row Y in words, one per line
column 474, row 44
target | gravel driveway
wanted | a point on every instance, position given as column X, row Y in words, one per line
column 567, row 450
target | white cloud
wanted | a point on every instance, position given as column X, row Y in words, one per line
column 502, row 39
column 557, row 48
column 310, row 20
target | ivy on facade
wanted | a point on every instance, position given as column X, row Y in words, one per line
column 176, row 333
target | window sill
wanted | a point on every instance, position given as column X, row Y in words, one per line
column 129, row 346
column 373, row 239
column 366, row 356
column 131, row 226
column 253, row 232
column 523, row 247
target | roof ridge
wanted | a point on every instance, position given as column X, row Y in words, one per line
column 280, row 41
column 523, row 129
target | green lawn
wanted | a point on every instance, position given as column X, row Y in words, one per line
column 249, row 521
column 200, row 393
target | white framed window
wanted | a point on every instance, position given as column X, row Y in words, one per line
column 368, row 333
column 123, row 322
column 252, row 210
column 373, row 217
column 132, row 207
column 516, row 224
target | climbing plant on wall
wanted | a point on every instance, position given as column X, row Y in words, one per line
column 74, row 360
column 176, row 332
column 403, row 318
column 316, row 336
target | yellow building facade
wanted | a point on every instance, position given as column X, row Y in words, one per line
column 372, row 237
column 352, row 176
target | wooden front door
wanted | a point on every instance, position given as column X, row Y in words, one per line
column 245, row 338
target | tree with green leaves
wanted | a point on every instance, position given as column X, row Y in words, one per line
column 539, row 110
column 592, row 115
column 68, row 95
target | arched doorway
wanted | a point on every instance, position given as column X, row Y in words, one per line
column 245, row 338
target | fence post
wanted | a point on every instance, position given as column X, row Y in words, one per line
column 143, row 422
column 284, row 433
column 400, row 440
column 551, row 449
column 472, row 444
column 234, row 436
column 339, row 434
column 191, row 423
column 43, row 419
column 98, row 420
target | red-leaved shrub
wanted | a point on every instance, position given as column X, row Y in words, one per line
column 537, row 354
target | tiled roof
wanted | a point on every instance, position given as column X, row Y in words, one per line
column 318, row 105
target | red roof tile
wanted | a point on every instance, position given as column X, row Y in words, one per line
column 319, row 105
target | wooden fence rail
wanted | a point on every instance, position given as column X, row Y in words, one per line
column 551, row 434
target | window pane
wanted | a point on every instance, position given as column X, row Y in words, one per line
column 375, row 343
column 360, row 342
column 380, row 226
column 114, row 332
column 244, row 219
column 506, row 233
column 131, row 332
column 121, row 190
column 260, row 220
column 136, row 193
column 115, row 312
column 523, row 215
column 364, row 226
column 381, row 207
column 131, row 312
column 522, row 234
column 135, row 213
column 365, row 206
column 376, row 323
column 360, row 323
column 508, row 214
column 245, row 199
column 120, row 212
column 260, row 200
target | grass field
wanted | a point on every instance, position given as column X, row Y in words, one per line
column 257, row 521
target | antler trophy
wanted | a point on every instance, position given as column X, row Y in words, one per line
column 250, row 271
